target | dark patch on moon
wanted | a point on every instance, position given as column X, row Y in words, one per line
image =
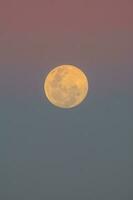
column 66, row 96
column 59, row 75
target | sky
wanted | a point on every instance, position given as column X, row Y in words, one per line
column 52, row 153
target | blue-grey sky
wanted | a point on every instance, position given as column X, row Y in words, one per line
column 49, row 153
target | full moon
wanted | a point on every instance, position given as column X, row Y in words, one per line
column 66, row 86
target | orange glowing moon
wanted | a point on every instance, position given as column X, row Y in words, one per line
column 66, row 86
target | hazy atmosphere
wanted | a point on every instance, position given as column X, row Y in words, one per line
column 83, row 153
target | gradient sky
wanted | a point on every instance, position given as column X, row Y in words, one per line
column 82, row 153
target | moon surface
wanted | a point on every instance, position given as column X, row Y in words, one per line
column 66, row 86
